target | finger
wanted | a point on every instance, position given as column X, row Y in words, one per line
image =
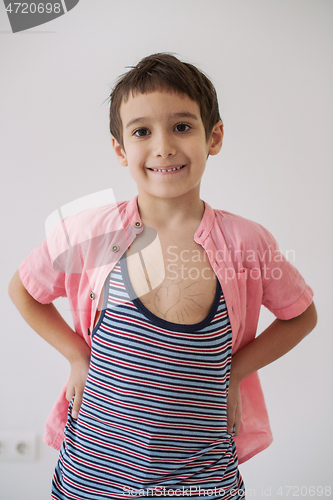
column 70, row 393
column 230, row 429
column 76, row 405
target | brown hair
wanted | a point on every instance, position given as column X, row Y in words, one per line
column 164, row 72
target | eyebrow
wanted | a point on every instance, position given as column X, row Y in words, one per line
column 181, row 114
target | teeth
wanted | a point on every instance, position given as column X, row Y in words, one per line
column 169, row 170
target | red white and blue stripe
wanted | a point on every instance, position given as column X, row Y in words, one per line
column 153, row 421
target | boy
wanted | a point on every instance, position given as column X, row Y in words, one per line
column 163, row 380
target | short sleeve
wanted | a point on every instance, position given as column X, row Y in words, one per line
column 39, row 275
column 285, row 292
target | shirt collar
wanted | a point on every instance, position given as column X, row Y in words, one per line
column 205, row 226
column 133, row 216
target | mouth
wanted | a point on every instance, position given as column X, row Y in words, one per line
column 172, row 168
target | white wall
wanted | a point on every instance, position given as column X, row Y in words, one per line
column 271, row 62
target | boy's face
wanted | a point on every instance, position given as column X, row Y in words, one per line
column 165, row 146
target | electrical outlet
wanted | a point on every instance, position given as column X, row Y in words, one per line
column 18, row 446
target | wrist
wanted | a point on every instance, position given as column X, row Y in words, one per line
column 80, row 351
column 235, row 372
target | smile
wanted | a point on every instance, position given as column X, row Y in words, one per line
column 171, row 169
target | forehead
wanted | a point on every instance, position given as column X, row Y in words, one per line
column 158, row 105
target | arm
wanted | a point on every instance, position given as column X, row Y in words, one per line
column 50, row 325
column 278, row 339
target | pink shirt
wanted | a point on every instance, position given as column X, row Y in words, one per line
column 77, row 256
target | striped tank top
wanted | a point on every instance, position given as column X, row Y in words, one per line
column 153, row 421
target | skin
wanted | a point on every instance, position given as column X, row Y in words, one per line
column 163, row 130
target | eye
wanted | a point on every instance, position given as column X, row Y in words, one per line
column 182, row 127
column 141, row 132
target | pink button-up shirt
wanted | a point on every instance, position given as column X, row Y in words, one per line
column 77, row 256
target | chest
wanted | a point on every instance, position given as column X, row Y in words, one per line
column 172, row 278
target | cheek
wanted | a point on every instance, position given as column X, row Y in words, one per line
column 199, row 155
column 198, row 149
column 135, row 154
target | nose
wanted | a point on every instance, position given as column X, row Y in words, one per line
column 164, row 146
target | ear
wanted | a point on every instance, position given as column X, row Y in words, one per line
column 120, row 153
column 216, row 139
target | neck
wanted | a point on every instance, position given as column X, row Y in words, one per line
column 170, row 213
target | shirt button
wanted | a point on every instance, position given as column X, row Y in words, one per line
column 92, row 295
column 115, row 248
column 138, row 223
